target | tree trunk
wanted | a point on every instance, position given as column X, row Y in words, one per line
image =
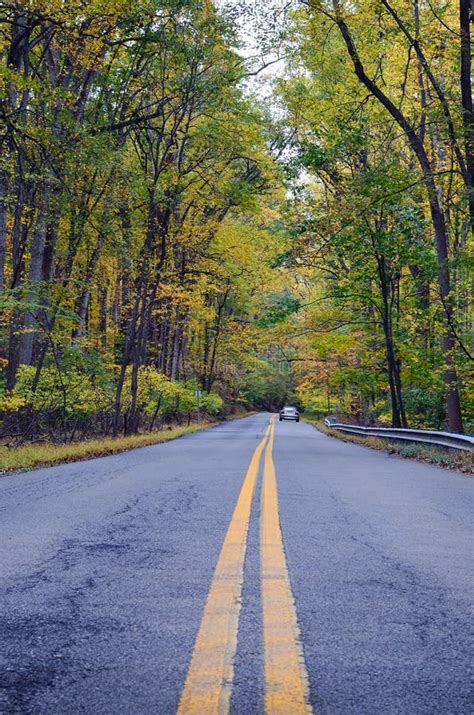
column 139, row 307
column 450, row 378
column 19, row 239
column 453, row 403
column 132, row 422
column 103, row 313
column 35, row 275
column 82, row 302
column 176, row 349
column 393, row 365
column 3, row 225
column 127, row 351
column 465, row 14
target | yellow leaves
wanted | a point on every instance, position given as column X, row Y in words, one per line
column 12, row 403
column 175, row 296
column 83, row 28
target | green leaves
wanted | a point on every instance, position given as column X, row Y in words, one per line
column 280, row 306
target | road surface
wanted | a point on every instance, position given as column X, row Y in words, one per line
column 164, row 580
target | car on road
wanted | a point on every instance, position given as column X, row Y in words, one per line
column 289, row 413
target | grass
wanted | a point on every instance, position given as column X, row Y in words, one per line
column 457, row 460
column 31, row 456
column 34, row 455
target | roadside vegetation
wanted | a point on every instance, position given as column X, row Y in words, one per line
column 31, row 456
column 449, row 459
column 47, row 454
column 175, row 221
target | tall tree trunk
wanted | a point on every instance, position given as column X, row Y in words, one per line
column 449, row 343
column 83, row 300
column 393, row 365
column 217, row 331
column 35, row 275
column 163, row 354
column 19, row 240
column 465, row 17
column 103, row 314
column 127, row 352
column 176, row 352
column 133, row 417
column 3, row 225
column 131, row 348
column 140, row 349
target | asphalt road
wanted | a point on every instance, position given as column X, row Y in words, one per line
column 106, row 566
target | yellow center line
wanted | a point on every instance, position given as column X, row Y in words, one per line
column 208, row 684
column 286, row 678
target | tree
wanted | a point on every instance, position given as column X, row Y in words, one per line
column 375, row 39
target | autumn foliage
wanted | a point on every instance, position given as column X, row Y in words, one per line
column 166, row 228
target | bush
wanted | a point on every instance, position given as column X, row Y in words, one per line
column 80, row 393
column 75, row 392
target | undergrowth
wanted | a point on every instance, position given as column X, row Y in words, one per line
column 46, row 454
column 461, row 461
column 31, row 456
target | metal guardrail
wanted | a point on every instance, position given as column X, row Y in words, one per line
column 434, row 437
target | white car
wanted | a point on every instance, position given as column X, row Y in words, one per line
column 289, row 413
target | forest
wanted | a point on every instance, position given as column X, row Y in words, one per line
column 180, row 214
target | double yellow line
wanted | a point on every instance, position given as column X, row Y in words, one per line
column 208, row 684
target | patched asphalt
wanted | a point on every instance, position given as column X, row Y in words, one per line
column 106, row 566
